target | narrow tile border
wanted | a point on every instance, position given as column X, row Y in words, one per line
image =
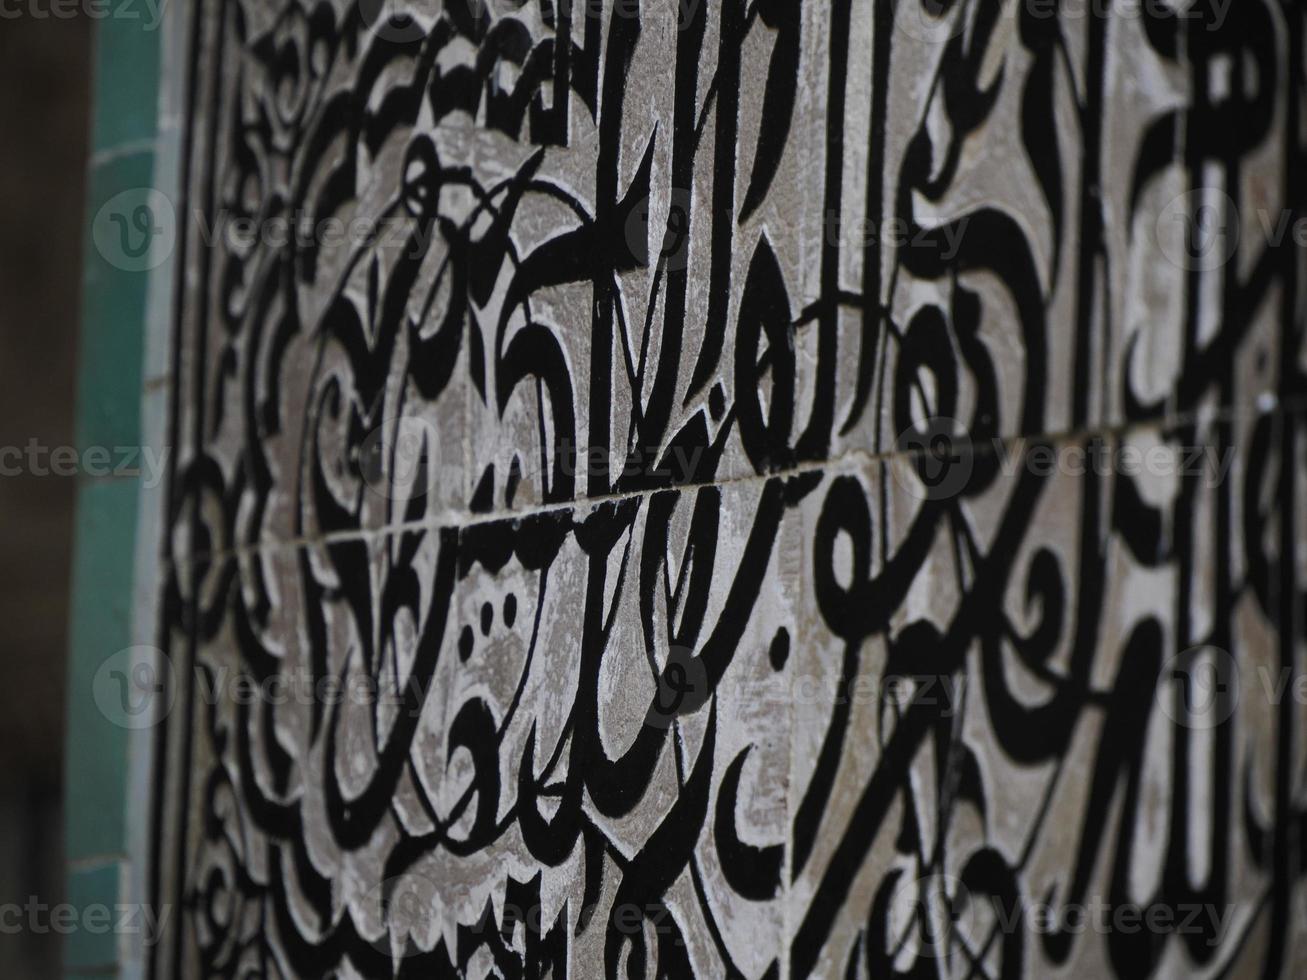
column 123, row 394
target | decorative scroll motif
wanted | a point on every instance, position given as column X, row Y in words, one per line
column 738, row 488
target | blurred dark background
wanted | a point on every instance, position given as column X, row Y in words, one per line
column 45, row 77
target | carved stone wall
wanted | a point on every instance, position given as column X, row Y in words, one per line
column 719, row 488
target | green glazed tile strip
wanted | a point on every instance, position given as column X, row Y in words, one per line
column 126, row 93
column 126, row 222
column 111, row 355
column 96, row 757
column 91, row 944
